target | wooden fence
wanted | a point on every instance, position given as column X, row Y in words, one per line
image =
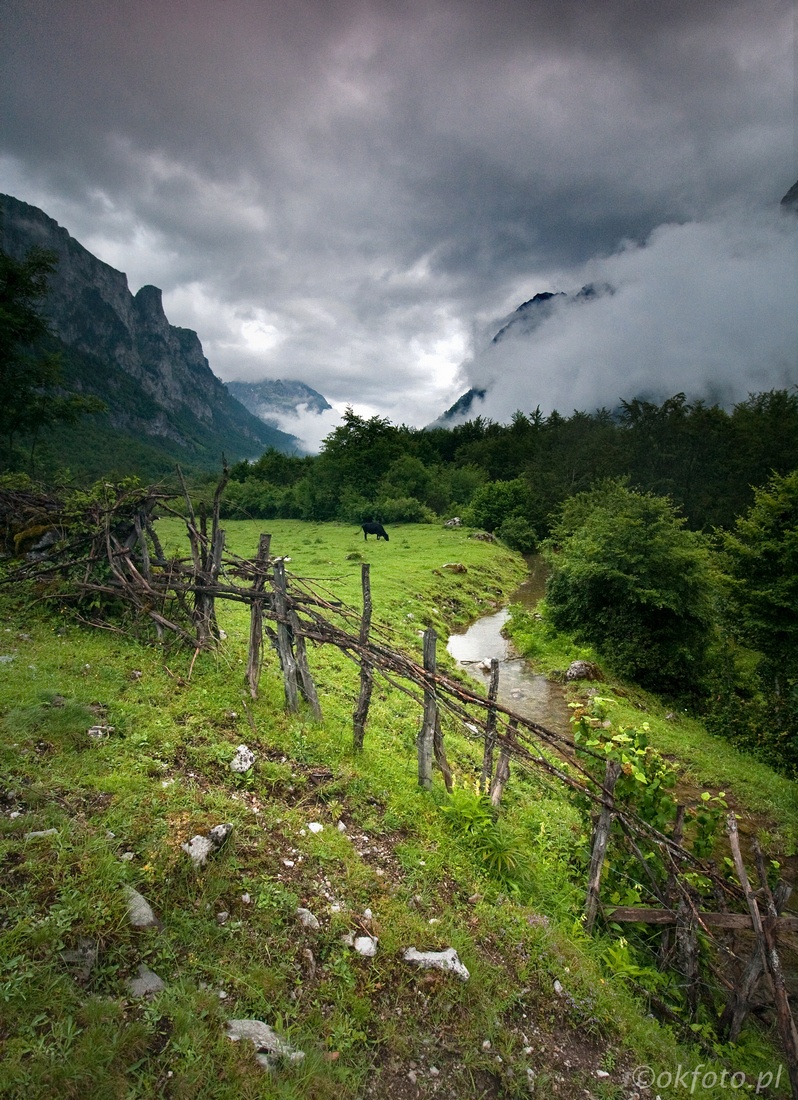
column 117, row 557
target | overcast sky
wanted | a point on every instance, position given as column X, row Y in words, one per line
column 356, row 194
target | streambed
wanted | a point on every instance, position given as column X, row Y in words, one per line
column 520, row 688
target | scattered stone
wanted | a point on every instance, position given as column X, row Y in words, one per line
column 441, row 960
column 200, row 847
column 270, row 1049
column 455, row 521
column 40, row 832
column 483, row 536
column 126, row 857
column 223, row 917
column 307, row 920
column 601, row 1073
column 455, row 567
column 366, row 946
column 82, row 960
column 412, row 1076
column 243, row 760
column 367, row 914
column 670, row 717
column 288, row 863
column 139, row 911
column 15, row 814
column 6, row 658
column 100, row 733
column 583, row 670
column 136, row 674
column 341, row 827
column 486, row 1045
column 315, row 827
column 146, row 984
column 558, row 988
column 246, row 899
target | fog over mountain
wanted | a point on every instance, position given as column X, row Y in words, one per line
column 706, row 308
column 355, row 193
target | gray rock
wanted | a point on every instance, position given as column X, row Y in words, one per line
column 243, row 760
column 366, row 946
column 454, row 522
column 441, row 960
column 100, row 733
column 139, row 911
column 146, row 984
column 200, row 847
column 270, row 1049
column 40, row 832
column 583, row 670
column 82, row 960
column 307, row 919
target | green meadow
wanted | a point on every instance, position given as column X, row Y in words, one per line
column 546, row 1011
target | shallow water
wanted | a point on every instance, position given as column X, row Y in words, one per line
column 522, row 690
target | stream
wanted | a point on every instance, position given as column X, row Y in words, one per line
column 526, row 692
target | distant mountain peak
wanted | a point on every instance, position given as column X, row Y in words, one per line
column 273, row 399
column 790, row 200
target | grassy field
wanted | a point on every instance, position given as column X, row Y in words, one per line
column 546, row 1010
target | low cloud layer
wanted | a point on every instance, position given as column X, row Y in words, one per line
column 347, row 192
column 705, row 308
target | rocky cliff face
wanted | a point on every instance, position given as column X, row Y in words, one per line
column 95, row 316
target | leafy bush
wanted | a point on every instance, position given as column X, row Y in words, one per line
column 498, row 502
column 519, row 534
column 629, row 579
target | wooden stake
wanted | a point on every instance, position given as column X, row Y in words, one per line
column 669, row 894
column 440, row 755
column 360, row 716
column 771, row 961
column 306, row 685
column 687, row 953
column 490, row 728
column 284, row 647
column 426, row 734
column 255, row 656
column 502, row 770
column 601, row 837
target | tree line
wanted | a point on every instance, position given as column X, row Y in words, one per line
column 513, row 478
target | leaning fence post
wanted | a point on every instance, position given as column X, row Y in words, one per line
column 255, row 658
column 502, row 770
column 361, row 714
column 490, row 728
column 772, row 964
column 284, row 648
column 601, row 837
column 426, row 734
column 306, row 685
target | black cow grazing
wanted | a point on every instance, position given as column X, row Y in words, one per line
column 374, row 529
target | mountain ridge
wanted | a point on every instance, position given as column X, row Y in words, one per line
column 153, row 376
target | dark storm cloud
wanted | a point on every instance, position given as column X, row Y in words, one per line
column 339, row 191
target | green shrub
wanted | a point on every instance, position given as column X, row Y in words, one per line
column 629, row 579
